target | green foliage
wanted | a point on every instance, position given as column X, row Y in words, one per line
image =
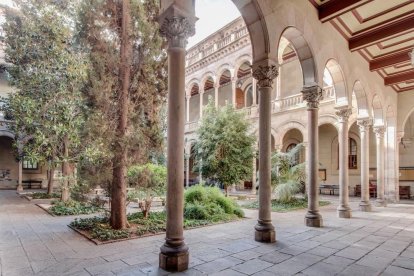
column 224, row 149
column 209, row 203
column 281, row 206
column 99, row 228
column 287, row 178
column 72, row 207
column 41, row 195
column 154, row 223
column 87, row 223
column 149, row 178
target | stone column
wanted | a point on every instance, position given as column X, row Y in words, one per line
column 254, row 84
column 379, row 133
column 312, row 95
column 264, row 74
column 176, row 28
column 233, row 91
column 400, row 135
column 201, row 104
column 343, row 210
column 187, row 102
column 254, row 176
column 216, row 90
column 20, row 177
column 365, row 204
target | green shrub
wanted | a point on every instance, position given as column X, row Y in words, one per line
column 107, row 233
column 41, row 195
column 209, row 203
column 71, row 207
column 195, row 211
column 87, row 223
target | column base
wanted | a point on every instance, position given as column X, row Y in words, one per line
column 313, row 219
column 365, row 206
column 174, row 259
column 265, row 233
column 380, row 203
column 344, row 212
column 19, row 188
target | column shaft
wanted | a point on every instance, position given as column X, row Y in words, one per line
column 187, row 102
column 216, row 90
column 254, row 176
column 233, row 93
column 201, row 104
column 379, row 131
column 344, row 211
column 365, row 204
column 265, row 231
column 312, row 95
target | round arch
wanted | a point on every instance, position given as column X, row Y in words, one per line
column 304, row 53
column 285, row 127
column 6, row 133
column 241, row 60
column 361, row 98
column 223, row 68
column 206, row 76
column 335, row 70
column 378, row 111
column 328, row 120
column 190, row 86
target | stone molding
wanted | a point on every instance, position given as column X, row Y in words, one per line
column 312, row 95
column 364, row 124
column 343, row 114
column 379, row 131
column 177, row 30
column 265, row 75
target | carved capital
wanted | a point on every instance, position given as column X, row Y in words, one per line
column 364, row 124
column 177, row 30
column 379, row 131
column 343, row 114
column 312, row 95
column 265, row 74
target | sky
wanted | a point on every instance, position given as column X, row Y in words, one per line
column 212, row 15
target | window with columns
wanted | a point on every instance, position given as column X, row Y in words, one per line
column 353, row 154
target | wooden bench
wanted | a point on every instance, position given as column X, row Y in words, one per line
column 32, row 184
column 372, row 190
column 330, row 188
column 405, row 192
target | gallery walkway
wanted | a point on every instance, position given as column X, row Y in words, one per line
column 377, row 243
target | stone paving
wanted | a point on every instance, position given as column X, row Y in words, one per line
column 377, row 243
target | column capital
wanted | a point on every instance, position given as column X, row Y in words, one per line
column 265, row 74
column 379, row 131
column 400, row 135
column 177, row 30
column 343, row 114
column 312, row 95
column 364, row 124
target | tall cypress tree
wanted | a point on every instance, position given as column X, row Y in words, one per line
column 126, row 89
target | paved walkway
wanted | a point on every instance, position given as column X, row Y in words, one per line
column 378, row 243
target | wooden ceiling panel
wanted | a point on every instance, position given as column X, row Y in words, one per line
column 381, row 31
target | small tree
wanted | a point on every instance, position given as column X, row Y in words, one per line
column 224, row 149
column 288, row 178
column 151, row 180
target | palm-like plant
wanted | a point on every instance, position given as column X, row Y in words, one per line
column 288, row 178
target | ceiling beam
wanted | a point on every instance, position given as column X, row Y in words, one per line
column 399, row 78
column 371, row 36
column 334, row 8
column 389, row 60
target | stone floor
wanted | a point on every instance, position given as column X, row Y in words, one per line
column 377, row 243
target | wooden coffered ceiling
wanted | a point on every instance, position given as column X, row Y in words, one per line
column 381, row 31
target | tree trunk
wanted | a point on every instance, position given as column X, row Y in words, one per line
column 118, row 207
column 65, row 171
column 50, row 176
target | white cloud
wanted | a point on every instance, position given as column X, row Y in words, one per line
column 212, row 14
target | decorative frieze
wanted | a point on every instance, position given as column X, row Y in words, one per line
column 265, row 74
column 312, row 95
column 379, row 131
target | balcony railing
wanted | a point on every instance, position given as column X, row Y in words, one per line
column 288, row 103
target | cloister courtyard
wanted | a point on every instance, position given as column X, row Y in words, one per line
column 376, row 243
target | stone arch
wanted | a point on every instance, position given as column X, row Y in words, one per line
column 377, row 110
column 361, row 98
column 339, row 83
column 256, row 24
column 304, row 53
column 6, row 133
column 205, row 77
column 190, row 85
column 328, row 120
column 241, row 60
column 284, row 128
column 406, row 119
column 223, row 68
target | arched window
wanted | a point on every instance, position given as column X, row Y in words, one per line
column 296, row 159
column 352, row 155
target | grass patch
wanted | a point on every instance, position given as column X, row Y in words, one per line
column 70, row 208
column 42, row 195
column 277, row 206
